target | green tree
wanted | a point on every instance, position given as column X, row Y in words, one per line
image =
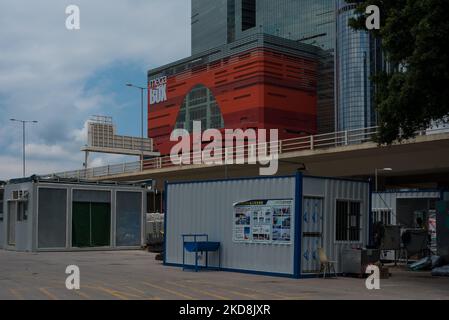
column 415, row 40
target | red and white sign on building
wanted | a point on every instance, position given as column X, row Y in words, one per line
column 158, row 90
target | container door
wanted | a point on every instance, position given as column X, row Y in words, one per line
column 100, row 224
column 312, row 234
column 81, row 224
column 12, row 217
column 91, row 225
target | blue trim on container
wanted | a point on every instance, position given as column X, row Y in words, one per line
column 233, row 179
column 165, row 221
column 337, row 179
column 259, row 273
column 299, row 181
column 298, row 225
column 252, row 272
column 198, row 268
column 267, row 178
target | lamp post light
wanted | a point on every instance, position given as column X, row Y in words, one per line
column 376, row 173
column 142, row 89
column 23, row 122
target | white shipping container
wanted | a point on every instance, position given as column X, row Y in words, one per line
column 207, row 207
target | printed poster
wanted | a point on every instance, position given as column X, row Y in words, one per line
column 263, row 221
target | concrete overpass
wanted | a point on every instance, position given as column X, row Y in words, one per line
column 422, row 162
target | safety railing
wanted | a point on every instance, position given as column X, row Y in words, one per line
column 245, row 153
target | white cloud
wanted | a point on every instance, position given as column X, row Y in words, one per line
column 44, row 69
column 48, row 152
column 80, row 135
column 11, row 167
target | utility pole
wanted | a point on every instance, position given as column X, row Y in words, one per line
column 376, row 174
column 142, row 89
column 23, row 122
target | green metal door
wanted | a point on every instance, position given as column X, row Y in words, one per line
column 81, row 225
column 100, row 224
column 91, row 224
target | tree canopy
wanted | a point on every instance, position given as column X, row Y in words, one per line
column 415, row 40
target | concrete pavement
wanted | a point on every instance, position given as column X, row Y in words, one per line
column 129, row 275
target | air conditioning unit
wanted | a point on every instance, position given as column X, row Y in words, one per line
column 20, row 195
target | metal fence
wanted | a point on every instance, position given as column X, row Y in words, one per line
column 245, row 154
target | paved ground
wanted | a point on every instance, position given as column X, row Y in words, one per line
column 136, row 275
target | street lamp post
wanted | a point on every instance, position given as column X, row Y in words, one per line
column 142, row 89
column 376, row 173
column 23, row 122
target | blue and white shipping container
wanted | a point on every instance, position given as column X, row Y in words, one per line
column 271, row 226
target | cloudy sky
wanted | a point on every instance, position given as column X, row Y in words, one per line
column 61, row 77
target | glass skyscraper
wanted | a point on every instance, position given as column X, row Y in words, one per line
column 209, row 24
column 347, row 57
column 355, row 54
column 311, row 22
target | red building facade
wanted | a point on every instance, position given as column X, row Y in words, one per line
column 261, row 83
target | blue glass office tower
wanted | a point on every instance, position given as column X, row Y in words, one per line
column 311, row 22
column 347, row 57
column 219, row 22
column 209, row 24
column 356, row 62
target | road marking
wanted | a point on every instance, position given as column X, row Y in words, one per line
column 207, row 293
column 48, row 294
column 279, row 296
column 142, row 293
column 221, row 288
column 16, row 294
column 300, row 297
column 136, row 290
column 169, row 291
column 282, row 295
column 114, row 293
column 82, row 294
column 237, row 293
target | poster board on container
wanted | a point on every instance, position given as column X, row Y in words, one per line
column 263, row 221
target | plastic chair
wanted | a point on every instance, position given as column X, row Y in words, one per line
column 325, row 264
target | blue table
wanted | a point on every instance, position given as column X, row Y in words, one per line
column 196, row 246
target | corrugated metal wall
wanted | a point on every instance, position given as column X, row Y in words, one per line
column 388, row 200
column 207, row 207
column 331, row 190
